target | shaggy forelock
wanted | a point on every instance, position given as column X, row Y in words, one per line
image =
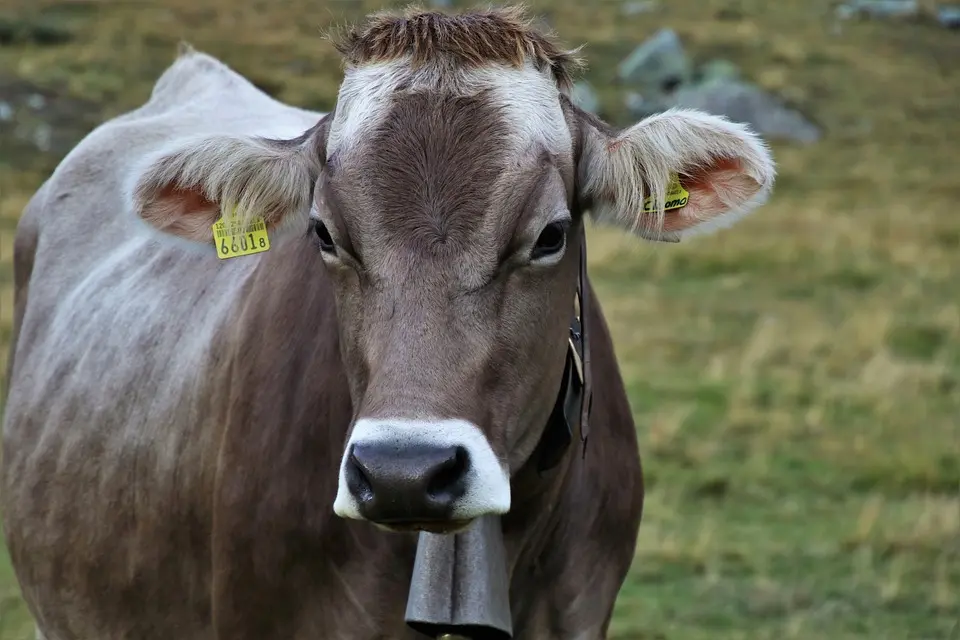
column 472, row 39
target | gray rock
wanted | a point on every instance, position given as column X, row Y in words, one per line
column 637, row 106
column 747, row 103
column 585, row 97
column 6, row 112
column 719, row 70
column 636, row 8
column 879, row 8
column 43, row 136
column 658, row 66
column 36, row 101
column 949, row 17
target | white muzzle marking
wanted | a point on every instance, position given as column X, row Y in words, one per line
column 487, row 482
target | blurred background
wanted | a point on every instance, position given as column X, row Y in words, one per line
column 795, row 379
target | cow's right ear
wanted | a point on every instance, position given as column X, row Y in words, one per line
column 186, row 189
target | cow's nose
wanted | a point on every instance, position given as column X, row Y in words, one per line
column 412, row 484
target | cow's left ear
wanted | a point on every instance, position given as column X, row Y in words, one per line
column 673, row 174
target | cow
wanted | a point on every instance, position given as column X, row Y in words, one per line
column 212, row 437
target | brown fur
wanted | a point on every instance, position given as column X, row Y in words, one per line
column 472, row 39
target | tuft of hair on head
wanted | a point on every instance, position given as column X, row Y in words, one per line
column 495, row 34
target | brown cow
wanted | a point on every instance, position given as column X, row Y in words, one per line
column 182, row 432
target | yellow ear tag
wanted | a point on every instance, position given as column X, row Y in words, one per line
column 675, row 198
column 233, row 241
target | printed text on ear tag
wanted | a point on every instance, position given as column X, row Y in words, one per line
column 675, row 198
column 233, row 241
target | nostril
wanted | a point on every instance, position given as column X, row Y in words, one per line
column 357, row 480
column 448, row 479
column 419, row 482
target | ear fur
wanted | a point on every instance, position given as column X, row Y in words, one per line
column 726, row 168
column 184, row 190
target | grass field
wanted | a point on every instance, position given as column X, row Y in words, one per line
column 795, row 380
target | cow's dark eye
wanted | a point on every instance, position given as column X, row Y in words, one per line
column 551, row 241
column 326, row 241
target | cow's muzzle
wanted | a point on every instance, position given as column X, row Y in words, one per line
column 420, row 475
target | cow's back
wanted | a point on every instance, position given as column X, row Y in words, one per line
column 119, row 376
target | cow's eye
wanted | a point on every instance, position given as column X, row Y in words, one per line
column 551, row 241
column 326, row 240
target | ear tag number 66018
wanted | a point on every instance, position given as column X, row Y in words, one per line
column 232, row 240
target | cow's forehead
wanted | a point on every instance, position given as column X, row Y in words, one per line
column 526, row 97
column 444, row 161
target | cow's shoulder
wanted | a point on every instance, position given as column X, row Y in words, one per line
column 199, row 82
column 196, row 97
column 88, row 213
column 196, row 76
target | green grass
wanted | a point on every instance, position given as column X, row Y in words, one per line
column 795, row 380
column 15, row 621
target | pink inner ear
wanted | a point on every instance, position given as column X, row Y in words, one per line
column 715, row 190
column 183, row 212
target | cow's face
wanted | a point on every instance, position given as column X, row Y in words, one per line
column 445, row 196
column 451, row 234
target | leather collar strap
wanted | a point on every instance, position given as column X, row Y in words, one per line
column 584, row 304
column 571, row 412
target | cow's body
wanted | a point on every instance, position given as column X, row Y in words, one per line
column 199, row 449
column 175, row 423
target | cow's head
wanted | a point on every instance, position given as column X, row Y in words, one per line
column 445, row 193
